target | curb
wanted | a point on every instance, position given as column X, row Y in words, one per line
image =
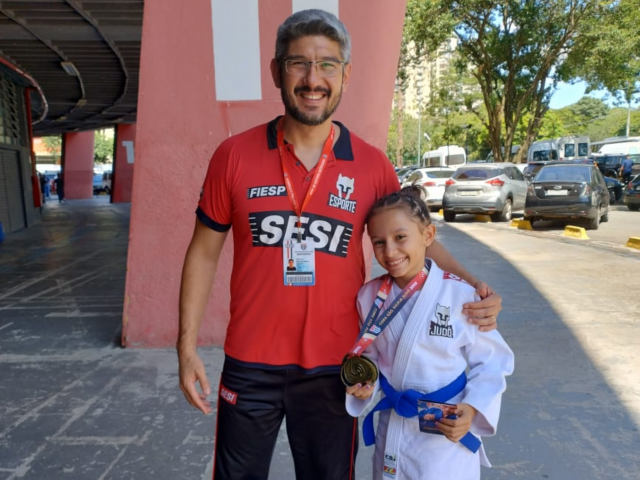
column 575, row 232
column 482, row 218
column 524, row 225
column 633, row 242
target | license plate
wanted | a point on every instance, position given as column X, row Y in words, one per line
column 557, row 193
column 468, row 193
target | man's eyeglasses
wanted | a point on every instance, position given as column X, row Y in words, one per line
column 325, row 68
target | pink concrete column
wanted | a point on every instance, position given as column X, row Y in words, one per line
column 78, row 165
column 205, row 76
column 122, row 183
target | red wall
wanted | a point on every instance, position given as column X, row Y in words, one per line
column 180, row 123
column 78, row 165
column 122, row 182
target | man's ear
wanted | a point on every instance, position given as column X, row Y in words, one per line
column 276, row 73
column 346, row 76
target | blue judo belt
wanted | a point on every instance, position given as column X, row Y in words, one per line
column 405, row 404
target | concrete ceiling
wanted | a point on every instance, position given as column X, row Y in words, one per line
column 97, row 39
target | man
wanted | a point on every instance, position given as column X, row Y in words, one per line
column 298, row 187
column 60, row 187
column 626, row 167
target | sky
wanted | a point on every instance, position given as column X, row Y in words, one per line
column 567, row 94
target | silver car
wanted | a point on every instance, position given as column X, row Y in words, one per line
column 496, row 189
column 433, row 179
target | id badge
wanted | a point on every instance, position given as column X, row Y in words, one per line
column 299, row 263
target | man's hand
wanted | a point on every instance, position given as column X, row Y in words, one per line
column 191, row 372
column 361, row 392
column 485, row 312
column 455, row 429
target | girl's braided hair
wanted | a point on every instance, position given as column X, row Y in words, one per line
column 409, row 199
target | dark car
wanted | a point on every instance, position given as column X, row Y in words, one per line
column 568, row 190
column 615, row 188
column 632, row 194
column 609, row 165
column 532, row 168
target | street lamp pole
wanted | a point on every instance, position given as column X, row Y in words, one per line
column 428, row 147
column 419, row 136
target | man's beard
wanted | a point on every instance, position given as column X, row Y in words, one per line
column 303, row 118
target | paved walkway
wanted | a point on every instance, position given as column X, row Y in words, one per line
column 74, row 405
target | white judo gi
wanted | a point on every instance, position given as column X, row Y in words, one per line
column 425, row 347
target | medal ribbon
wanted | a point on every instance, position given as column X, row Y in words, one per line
column 324, row 159
column 377, row 321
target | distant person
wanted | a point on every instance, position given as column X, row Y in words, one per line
column 43, row 182
column 47, row 188
column 60, row 188
column 625, row 169
column 422, row 344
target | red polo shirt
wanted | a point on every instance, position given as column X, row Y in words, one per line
column 272, row 324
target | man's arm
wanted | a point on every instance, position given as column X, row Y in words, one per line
column 482, row 313
column 198, row 274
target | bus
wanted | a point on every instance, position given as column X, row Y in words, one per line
column 563, row 148
column 447, row 156
column 618, row 145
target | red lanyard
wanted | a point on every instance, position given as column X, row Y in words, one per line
column 376, row 320
column 324, row 159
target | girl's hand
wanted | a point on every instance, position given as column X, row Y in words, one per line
column 361, row 392
column 455, row 429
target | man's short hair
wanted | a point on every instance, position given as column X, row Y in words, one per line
column 312, row 22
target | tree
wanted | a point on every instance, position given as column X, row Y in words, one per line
column 53, row 145
column 516, row 50
column 607, row 54
column 103, row 147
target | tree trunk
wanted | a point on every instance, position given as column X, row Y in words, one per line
column 400, row 143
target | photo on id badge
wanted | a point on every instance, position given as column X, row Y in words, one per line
column 299, row 263
column 430, row 412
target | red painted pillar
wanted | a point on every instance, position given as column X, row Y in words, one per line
column 78, row 165
column 205, row 76
column 122, row 182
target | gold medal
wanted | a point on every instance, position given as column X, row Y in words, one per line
column 358, row 370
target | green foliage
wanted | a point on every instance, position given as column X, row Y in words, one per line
column 103, row 147
column 607, row 54
column 516, row 50
column 53, row 145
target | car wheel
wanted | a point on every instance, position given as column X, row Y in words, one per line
column 594, row 223
column 605, row 217
column 505, row 214
column 449, row 216
column 633, row 208
column 612, row 198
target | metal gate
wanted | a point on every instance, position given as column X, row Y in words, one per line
column 11, row 199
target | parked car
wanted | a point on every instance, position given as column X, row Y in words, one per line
column 434, row 180
column 405, row 172
column 615, row 188
column 496, row 189
column 532, row 168
column 609, row 165
column 102, row 182
column 568, row 191
column 632, row 194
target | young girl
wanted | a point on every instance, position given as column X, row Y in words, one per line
column 422, row 354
